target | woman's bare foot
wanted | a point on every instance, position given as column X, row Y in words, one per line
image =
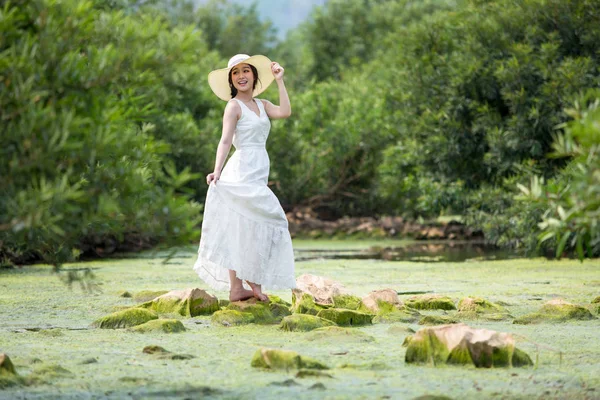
column 238, row 294
column 257, row 292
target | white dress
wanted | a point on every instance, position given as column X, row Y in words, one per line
column 244, row 227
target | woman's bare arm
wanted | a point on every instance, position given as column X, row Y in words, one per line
column 284, row 109
column 230, row 118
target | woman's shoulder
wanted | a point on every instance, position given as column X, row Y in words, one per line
column 233, row 107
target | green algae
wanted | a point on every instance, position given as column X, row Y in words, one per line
column 343, row 317
column 339, row 335
column 147, row 295
column 32, row 297
column 389, row 314
column 430, row 302
column 303, row 323
column 160, row 325
column 284, row 359
column 231, row 318
column 125, row 319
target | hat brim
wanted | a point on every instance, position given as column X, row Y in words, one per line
column 218, row 80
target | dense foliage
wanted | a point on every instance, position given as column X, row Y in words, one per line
column 410, row 107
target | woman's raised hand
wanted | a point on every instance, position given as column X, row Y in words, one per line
column 212, row 177
column 277, row 70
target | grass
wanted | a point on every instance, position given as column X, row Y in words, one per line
column 44, row 324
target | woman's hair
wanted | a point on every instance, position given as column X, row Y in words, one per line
column 233, row 89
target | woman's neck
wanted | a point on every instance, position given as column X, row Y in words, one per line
column 245, row 97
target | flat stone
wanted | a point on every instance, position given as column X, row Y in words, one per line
column 231, row 318
column 303, row 323
column 187, row 302
column 430, row 302
column 557, row 310
column 125, row 319
column 322, row 289
column 343, row 317
column 283, row 360
column 373, row 301
column 160, row 325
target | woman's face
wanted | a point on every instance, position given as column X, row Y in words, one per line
column 242, row 78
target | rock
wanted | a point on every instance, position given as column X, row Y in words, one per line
column 51, row 371
column 160, row 325
column 286, row 383
column 125, row 294
column 437, row 320
column 556, row 311
column 273, row 299
column 147, row 295
column 317, row 386
column 389, row 313
column 461, row 344
column 224, row 303
column 305, row 304
column 125, row 319
column 596, row 300
column 6, row 365
column 337, row 334
column 279, row 310
column 430, row 302
column 231, row 318
column 163, row 354
column 89, row 360
column 187, row 302
column 478, row 308
column 283, row 359
column 261, row 311
column 373, row 300
column 347, row 301
column 343, row 317
column 320, row 288
column 303, row 323
column 312, row 373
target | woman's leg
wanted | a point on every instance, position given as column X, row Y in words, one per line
column 237, row 291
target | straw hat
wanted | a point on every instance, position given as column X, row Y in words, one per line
column 219, row 78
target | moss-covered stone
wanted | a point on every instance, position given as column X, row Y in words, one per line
column 160, row 325
column 188, row 302
column 430, row 302
column 347, row 301
column 48, row 373
column 6, row 365
column 373, row 301
column 261, row 311
column 462, row 345
column 147, row 295
column 479, row 305
column 231, row 318
column 125, row 319
column 223, row 303
column 389, row 313
column 437, row 320
column 284, row 360
column 303, row 323
column 305, row 305
column 344, row 317
column 125, row 294
column 312, row 373
column 337, row 334
column 273, row 299
column 161, row 353
column 556, row 311
column 7, row 381
column 279, row 310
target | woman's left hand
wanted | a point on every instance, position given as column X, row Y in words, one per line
column 277, row 70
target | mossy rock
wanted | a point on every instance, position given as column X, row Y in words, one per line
column 284, row 360
column 388, row 314
column 160, row 325
column 479, row 305
column 305, row 305
column 312, row 373
column 125, row 319
column 556, row 311
column 147, row 295
column 273, row 299
column 279, row 310
column 303, row 323
column 261, row 311
column 462, row 345
column 430, row 302
column 161, row 353
column 343, row 317
column 6, row 366
column 224, row 303
column 187, row 302
column 125, row 294
column 338, row 334
column 46, row 374
column 231, row 318
column 596, row 300
column 437, row 320
column 347, row 301
column 7, row 381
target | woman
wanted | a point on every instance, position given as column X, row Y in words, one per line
column 245, row 233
